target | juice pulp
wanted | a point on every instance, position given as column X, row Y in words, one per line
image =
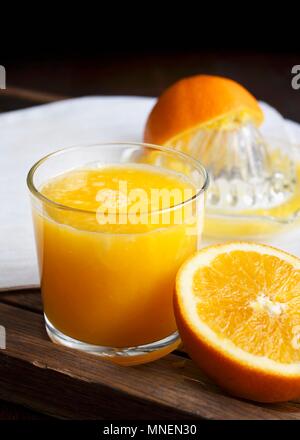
column 110, row 284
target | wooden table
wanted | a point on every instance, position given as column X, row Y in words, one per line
column 51, row 380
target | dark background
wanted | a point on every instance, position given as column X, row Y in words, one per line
column 141, row 48
column 266, row 74
column 54, row 57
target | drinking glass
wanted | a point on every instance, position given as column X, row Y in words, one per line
column 108, row 289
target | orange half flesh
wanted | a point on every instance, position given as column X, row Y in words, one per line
column 237, row 306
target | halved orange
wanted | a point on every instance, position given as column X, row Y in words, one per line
column 237, row 307
column 192, row 103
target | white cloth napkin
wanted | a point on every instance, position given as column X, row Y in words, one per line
column 27, row 135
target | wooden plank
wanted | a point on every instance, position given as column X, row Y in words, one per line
column 13, row 411
column 58, row 381
column 32, row 95
column 14, row 98
column 31, row 299
column 26, row 299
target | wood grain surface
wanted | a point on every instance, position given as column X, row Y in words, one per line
column 64, row 383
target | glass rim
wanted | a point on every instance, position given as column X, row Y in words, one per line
column 36, row 193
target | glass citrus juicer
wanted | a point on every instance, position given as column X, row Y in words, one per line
column 253, row 177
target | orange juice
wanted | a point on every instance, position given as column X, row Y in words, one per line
column 112, row 284
column 113, row 223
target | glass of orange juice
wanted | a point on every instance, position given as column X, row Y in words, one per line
column 113, row 223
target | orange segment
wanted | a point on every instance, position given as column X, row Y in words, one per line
column 237, row 306
column 192, row 103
